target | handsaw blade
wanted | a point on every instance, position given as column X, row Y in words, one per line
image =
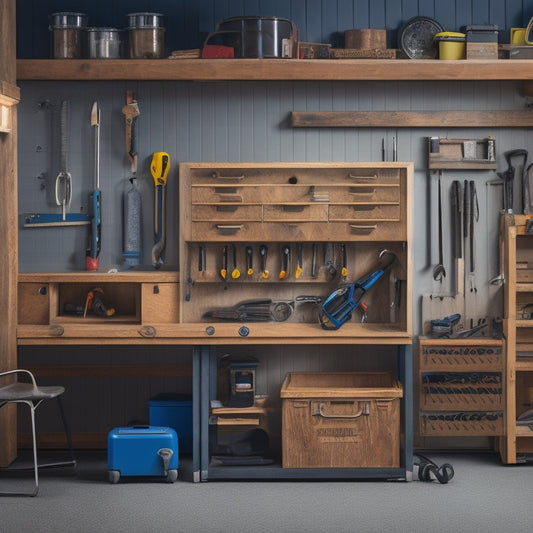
column 63, row 184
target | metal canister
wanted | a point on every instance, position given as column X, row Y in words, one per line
column 146, row 34
column 104, row 43
column 68, row 34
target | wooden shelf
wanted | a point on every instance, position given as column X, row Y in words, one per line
column 524, row 431
column 273, row 69
column 129, row 276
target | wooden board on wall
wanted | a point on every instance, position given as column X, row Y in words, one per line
column 508, row 118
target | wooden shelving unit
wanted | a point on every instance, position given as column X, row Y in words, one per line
column 273, row 69
column 517, row 258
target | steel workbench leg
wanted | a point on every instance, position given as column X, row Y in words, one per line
column 406, row 376
column 196, row 398
column 205, row 356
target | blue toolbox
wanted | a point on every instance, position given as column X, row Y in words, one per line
column 142, row 451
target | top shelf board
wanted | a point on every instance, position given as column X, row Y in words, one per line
column 273, row 69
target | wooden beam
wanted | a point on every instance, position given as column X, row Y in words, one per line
column 506, row 118
column 95, row 371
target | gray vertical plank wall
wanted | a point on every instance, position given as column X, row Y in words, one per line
column 242, row 121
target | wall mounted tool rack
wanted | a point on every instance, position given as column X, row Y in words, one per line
column 457, row 154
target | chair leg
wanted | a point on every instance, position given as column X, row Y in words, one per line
column 68, row 436
column 35, row 465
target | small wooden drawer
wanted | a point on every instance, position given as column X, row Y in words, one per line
column 373, row 193
column 362, row 211
column 226, row 212
column 160, row 303
column 455, row 357
column 33, row 303
column 462, row 424
column 462, row 390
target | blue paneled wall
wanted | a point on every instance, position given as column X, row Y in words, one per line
column 241, row 121
column 248, row 121
column 189, row 21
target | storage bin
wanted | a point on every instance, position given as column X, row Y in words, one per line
column 142, row 451
column 175, row 411
column 341, row 420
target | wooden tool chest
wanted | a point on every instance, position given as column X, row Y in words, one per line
column 351, row 211
column 335, row 219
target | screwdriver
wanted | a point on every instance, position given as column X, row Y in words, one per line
column 300, row 262
column 285, row 257
column 249, row 261
column 263, row 252
column 224, row 269
column 235, row 273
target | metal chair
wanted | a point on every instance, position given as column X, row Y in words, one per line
column 33, row 395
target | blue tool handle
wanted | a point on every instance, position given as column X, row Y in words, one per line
column 94, row 250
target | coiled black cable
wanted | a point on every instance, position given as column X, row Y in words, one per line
column 429, row 471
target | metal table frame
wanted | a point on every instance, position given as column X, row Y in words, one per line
column 205, row 389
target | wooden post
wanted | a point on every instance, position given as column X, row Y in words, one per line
column 8, row 222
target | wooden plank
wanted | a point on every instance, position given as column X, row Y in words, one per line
column 57, row 441
column 508, row 118
column 277, row 69
column 96, row 371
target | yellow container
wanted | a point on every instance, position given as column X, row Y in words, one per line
column 518, row 36
column 451, row 45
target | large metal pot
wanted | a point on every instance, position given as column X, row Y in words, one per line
column 257, row 37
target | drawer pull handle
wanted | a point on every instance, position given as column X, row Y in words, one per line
column 229, row 228
column 363, row 230
column 292, row 208
column 363, row 179
column 56, row 330
column 363, row 190
column 227, row 208
column 318, row 409
column 147, row 331
column 315, row 197
column 364, row 207
column 217, row 176
column 229, row 197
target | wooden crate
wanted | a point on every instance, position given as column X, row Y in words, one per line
column 340, row 420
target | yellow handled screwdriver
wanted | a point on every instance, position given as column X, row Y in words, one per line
column 159, row 167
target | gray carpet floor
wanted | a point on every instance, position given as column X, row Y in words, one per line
column 484, row 496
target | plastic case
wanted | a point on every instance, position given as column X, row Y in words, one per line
column 142, row 451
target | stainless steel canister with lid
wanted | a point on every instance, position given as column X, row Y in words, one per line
column 68, row 34
column 105, row 43
column 146, row 35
